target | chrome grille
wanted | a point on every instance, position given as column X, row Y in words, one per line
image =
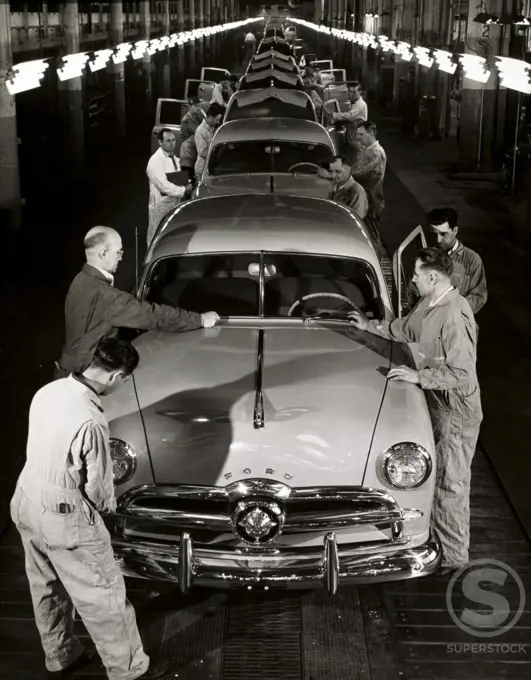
column 306, row 509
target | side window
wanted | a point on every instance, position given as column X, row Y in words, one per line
column 404, row 292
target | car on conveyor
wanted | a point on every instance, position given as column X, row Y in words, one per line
column 271, row 450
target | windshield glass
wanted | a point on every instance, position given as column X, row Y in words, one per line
column 229, row 284
column 266, row 156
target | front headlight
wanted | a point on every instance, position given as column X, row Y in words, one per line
column 123, row 461
column 406, row 465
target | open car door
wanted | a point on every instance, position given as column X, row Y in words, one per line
column 334, row 84
column 322, row 65
column 307, row 59
column 403, row 269
column 199, row 88
column 169, row 114
column 214, row 75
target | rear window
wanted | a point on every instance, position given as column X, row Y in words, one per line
column 271, row 108
column 265, row 157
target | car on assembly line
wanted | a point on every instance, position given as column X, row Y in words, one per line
column 267, row 155
column 271, row 450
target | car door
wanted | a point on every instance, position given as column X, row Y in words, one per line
column 215, row 75
column 404, row 295
column 336, row 133
column 199, row 88
column 336, row 87
column 169, row 114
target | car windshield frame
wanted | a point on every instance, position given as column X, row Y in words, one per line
column 320, row 148
column 262, row 255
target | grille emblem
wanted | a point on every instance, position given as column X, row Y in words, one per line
column 257, row 522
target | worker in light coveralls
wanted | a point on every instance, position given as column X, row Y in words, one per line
column 444, row 326
column 66, row 483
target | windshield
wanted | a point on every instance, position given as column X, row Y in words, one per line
column 266, row 156
column 229, row 283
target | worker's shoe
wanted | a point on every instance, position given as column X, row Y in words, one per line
column 157, row 669
column 89, row 656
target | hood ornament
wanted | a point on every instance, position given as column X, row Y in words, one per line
column 257, row 522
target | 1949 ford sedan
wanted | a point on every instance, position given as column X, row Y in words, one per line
column 271, row 450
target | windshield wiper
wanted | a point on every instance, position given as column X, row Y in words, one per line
column 327, row 316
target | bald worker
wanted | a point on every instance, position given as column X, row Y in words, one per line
column 95, row 308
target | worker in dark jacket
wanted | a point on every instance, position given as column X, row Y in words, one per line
column 345, row 189
column 94, row 307
column 468, row 270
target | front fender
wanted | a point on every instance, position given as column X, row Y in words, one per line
column 125, row 422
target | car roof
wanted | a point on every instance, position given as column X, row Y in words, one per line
column 257, row 129
column 271, row 73
column 248, row 97
column 247, row 222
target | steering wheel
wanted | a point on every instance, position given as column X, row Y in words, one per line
column 336, row 296
column 313, row 165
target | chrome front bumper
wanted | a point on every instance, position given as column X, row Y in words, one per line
column 363, row 563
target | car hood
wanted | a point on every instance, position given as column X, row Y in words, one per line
column 322, row 388
column 281, row 183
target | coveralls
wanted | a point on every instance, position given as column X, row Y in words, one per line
column 352, row 195
column 203, row 137
column 469, row 275
column 446, row 333
column 65, row 484
column 368, row 168
column 94, row 308
column 164, row 196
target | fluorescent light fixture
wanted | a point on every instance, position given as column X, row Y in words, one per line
column 121, row 52
column 100, row 59
column 445, row 61
column 139, row 49
column 475, row 68
column 386, row 44
column 25, row 76
column 73, row 66
column 153, row 46
column 514, row 74
column 423, row 56
column 403, row 50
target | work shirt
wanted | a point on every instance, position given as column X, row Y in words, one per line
column 217, row 95
column 188, row 152
column 190, row 123
column 203, row 138
column 160, row 187
column 447, row 338
column 351, row 194
column 368, row 168
column 68, row 447
column 94, row 309
column 469, row 275
column 357, row 111
column 317, row 102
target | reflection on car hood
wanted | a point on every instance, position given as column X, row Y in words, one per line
column 262, row 183
column 322, row 389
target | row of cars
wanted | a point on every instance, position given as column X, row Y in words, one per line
column 272, row 450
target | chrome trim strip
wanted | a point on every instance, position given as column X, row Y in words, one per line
column 261, row 287
column 328, row 520
column 180, row 518
column 331, row 564
column 258, row 417
column 258, row 487
column 185, row 563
